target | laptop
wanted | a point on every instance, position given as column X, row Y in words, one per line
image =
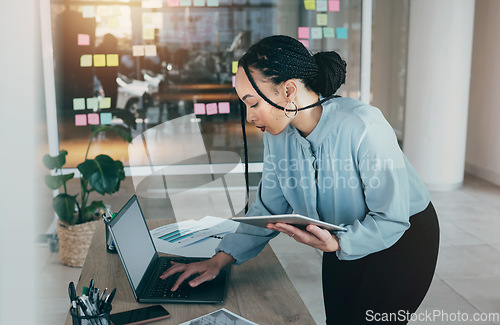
column 143, row 266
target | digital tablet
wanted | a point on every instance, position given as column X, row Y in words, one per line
column 295, row 220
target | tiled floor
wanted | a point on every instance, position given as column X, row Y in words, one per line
column 466, row 284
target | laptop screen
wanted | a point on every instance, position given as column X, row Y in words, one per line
column 133, row 241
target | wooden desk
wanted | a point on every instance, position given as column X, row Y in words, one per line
column 258, row 290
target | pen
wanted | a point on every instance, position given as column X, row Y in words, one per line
column 85, row 308
column 109, row 299
column 72, row 296
column 91, row 291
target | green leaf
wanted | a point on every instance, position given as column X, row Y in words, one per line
column 55, row 162
column 122, row 131
column 102, row 174
column 89, row 212
column 127, row 117
column 121, row 174
column 64, row 206
column 56, row 181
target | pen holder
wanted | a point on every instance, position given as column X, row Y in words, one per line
column 101, row 319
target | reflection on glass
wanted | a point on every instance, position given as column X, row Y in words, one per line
column 142, row 63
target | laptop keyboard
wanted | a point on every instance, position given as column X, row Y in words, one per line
column 161, row 288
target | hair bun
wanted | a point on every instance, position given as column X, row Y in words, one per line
column 332, row 72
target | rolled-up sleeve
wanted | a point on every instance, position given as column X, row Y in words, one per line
column 248, row 241
column 382, row 170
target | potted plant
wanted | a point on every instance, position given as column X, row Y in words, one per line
column 78, row 217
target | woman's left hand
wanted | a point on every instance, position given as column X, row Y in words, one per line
column 314, row 236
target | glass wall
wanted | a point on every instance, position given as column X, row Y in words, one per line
column 140, row 64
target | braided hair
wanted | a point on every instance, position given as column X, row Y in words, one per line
column 280, row 58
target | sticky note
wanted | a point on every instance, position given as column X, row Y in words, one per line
column 211, row 108
column 234, row 81
column 113, row 23
column 116, row 11
column 341, row 33
column 305, row 43
column 83, row 39
column 152, row 3
column 88, row 12
column 106, row 118
column 92, row 103
column 322, row 19
column 310, row 4
column 235, row 66
column 78, row 104
column 303, row 32
column 150, row 50
column 173, row 3
column 224, row 108
column 147, row 18
column 81, row 119
column 105, row 102
column 199, row 109
column 138, row 50
column 328, row 32
column 86, row 60
column 112, row 60
column 185, row 3
column 93, row 119
column 316, row 32
column 322, row 5
column 99, row 60
column 212, row 3
column 148, row 33
column 157, row 20
column 198, row 3
column 103, row 11
column 334, row 5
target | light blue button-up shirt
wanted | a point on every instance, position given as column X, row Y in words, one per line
column 349, row 171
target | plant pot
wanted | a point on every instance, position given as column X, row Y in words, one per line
column 74, row 242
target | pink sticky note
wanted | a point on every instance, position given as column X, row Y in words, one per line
column 334, row 5
column 234, row 81
column 174, row 3
column 80, row 119
column 305, row 42
column 199, row 109
column 93, row 119
column 224, row 108
column 83, row 39
column 303, row 32
column 211, row 108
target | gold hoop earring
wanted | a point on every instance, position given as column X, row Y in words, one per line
column 293, row 111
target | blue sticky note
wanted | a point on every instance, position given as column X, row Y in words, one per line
column 341, row 33
column 106, row 118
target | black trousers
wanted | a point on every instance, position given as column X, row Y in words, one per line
column 383, row 287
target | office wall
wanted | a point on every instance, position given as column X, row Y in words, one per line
column 483, row 134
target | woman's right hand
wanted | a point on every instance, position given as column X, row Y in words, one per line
column 207, row 270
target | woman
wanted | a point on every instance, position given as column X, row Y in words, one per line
column 337, row 160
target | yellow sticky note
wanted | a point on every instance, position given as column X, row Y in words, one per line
column 235, row 66
column 148, row 34
column 310, row 4
column 99, row 60
column 112, row 60
column 105, row 102
column 147, row 18
column 103, row 11
column 86, row 60
column 113, row 23
column 322, row 19
column 116, row 11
